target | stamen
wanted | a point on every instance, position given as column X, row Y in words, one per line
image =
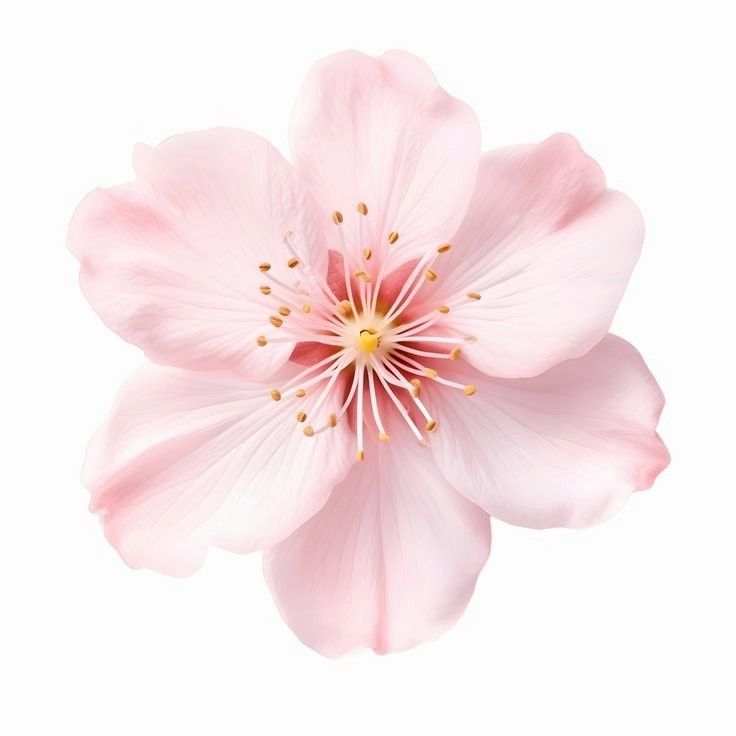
column 359, row 414
column 337, row 219
column 275, row 321
column 426, row 353
column 430, row 318
column 444, row 248
column 349, row 398
column 275, row 395
column 474, row 295
column 298, row 295
column 402, row 409
column 309, row 430
column 265, row 290
column 412, row 285
column 431, row 425
column 306, row 309
column 264, row 267
column 374, row 405
column 443, row 309
column 366, row 256
column 330, row 383
column 400, row 380
column 363, row 276
column 261, row 340
column 455, row 353
column 284, row 311
column 301, row 416
column 393, row 237
column 334, row 359
column 469, row 390
column 423, row 338
column 294, row 262
column 430, row 275
column 362, row 208
column 418, row 325
column 300, row 393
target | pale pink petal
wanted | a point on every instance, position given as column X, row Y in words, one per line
column 566, row 448
column 548, row 249
column 389, row 562
column 381, row 131
column 189, row 459
column 171, row 261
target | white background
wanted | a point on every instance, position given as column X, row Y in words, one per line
column 626, row 628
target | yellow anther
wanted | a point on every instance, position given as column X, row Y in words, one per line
column 275, row 321
column 368, row 340
column 455, row 353
column 474, row 295
column 416, row 387
column 384, row 437
column 430, row 373
column 367, row 253
column 469, row 390
column 430, row 275
column 360, row 456
column 309, row 430
column 431, row 425
column 337, row 217
column 393, row 237
column 345, row 308
column 306, row 309
column 332, row 420
column 284, row 311
column 300, row 393
column 443, row 308
column 362, row 208
column 265, row 290
column 264, row 267
column 363, row 275
column 444, row 248
column 301, row 416
column 261, row 340
column 292, row 262
column 276, row 395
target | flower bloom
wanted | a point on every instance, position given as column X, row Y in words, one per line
column 357, row 359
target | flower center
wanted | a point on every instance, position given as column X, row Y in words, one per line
column 382, row 354
column 368, row 341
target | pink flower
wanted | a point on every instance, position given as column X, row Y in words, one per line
column 393, row 296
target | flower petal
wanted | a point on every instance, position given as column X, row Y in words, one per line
column 381, row 131
column 170, row 262
column 548, row 249
column 389, row 562
column 566, row 448
column 189, row 459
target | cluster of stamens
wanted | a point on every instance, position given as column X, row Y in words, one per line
column 372, row 343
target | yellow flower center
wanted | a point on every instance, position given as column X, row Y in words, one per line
column 368, row 340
